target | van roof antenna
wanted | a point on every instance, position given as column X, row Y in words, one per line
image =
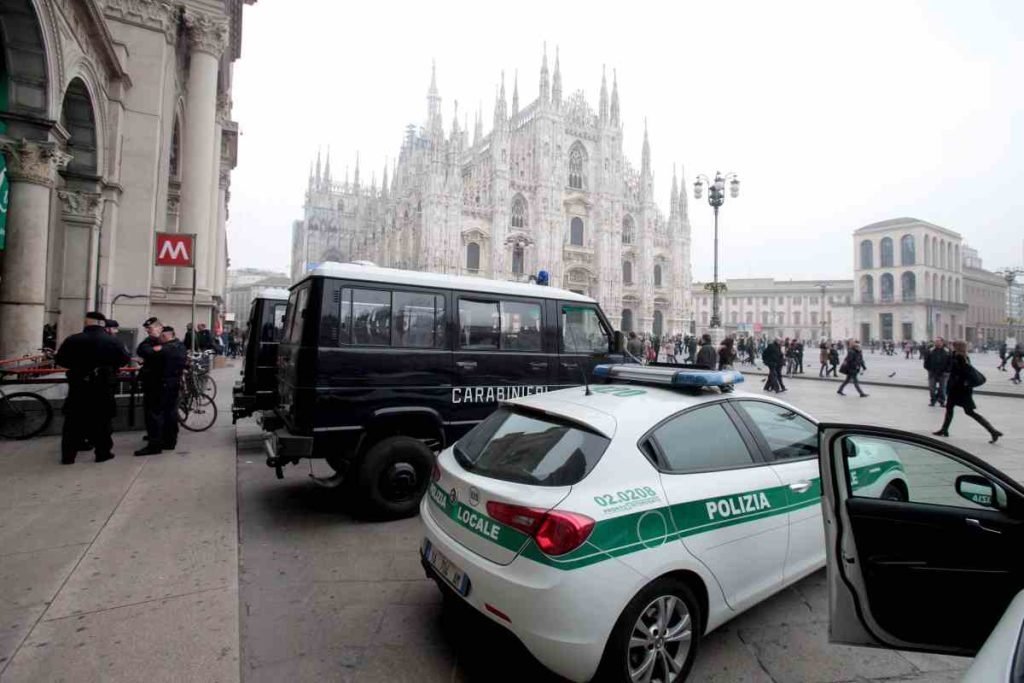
column 572, row 333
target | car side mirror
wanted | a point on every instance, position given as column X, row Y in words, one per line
column 980, row 491
column 849, row 448
column 619, row 341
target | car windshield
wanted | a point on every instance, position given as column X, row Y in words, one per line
column 522, row 446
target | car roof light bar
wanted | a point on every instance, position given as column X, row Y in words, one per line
column 680, row 377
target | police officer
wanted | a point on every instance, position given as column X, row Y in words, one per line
column 164, row 359
column 92, row 358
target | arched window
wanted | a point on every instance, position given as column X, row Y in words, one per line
column 518, row 211
column 659, row 322
column 576, row 232
column 627, row 273
column 927, row 282
column 867, row 289
column 885, row 253
column 627, row 320
column 517, row 260
column 657, row 275
column 472, row 257
column 886, row 284
column 577, row 157
column 907, row 250
column 627, row 230
column 942, row 288
column 908, row 286
column 867, row 254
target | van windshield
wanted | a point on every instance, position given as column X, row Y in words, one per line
column 531, row 448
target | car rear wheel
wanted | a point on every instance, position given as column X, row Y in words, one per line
column 656, row 637
column 393, row 477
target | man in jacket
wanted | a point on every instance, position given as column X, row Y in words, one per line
column 852, row 365
column 707, row 357
column 938, row 362
column 92, row 358
column 774, row 360
column 167, row 358
column 634, row 347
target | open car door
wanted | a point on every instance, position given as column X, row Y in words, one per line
column 932, row 569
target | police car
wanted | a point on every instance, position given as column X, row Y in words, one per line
column 610, row 527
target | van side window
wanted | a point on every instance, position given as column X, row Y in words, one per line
column 297, row 307
column 478, row 324
column 277, row 331
column 336, row 316
column 371, row 317
column 419, row 320
column 520, row 326
column 582, row 331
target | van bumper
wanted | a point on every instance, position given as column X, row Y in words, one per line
column 283, row 447
column 242, row 404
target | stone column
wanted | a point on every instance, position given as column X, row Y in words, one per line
column 207, row 37
column 81, row 214
column 32, row 167
column 220, row 273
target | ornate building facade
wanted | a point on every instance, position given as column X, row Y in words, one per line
column 548, row 188
column 115, row 124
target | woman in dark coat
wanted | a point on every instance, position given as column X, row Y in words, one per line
column 960, row 393
column 851, row 367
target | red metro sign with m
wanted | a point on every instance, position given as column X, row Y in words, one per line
column 174, row 249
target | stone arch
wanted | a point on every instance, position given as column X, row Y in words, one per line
column 658, row 324
column 885, row 253
column 867, row 259
column 577, row 237
column 627, row 272
column 78, row 117
column 519, row 211
column 627, row 320
column 867, row 289
column 30, row 75
column 577, row 177
column 473, row 257
column 908, row 286
column 657, row 275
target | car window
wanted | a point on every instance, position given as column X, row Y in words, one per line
column 478, row 324
column 701, row 439
column 297, row 307
column 888, row 468
column 419, row 320
column 371, row 317
column 520, row 326
column 531, row 448
column 279, row 311
column 582, row 331
column 788, row 435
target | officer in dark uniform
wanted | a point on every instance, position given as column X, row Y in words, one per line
column 165, row 358
column 92, row 358
column 151, row 378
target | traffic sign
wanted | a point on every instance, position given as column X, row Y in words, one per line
column 174, row 249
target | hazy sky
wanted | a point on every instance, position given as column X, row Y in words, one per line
column 834, row 114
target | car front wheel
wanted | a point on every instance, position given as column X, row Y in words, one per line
column 393, row 476
column 656, row 637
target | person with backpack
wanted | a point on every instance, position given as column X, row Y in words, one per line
column 937, row 363
column 963, row 379
column 852, row 365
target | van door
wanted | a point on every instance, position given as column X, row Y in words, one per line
column 499, row 354
column 584, row 341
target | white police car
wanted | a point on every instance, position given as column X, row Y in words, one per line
column 610, row 528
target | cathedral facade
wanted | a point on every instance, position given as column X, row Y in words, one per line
column 548, row 188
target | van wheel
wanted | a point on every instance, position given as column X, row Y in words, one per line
column 393, row 477
column 656, row 637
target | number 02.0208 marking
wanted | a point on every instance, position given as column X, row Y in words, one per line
column 625, row 496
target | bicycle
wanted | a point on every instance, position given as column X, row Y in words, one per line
column 196, row 410
column 23, row 414
column 200, row 369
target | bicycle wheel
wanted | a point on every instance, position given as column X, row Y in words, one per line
column 197, row 413
column 23, row 415
column 207, row 385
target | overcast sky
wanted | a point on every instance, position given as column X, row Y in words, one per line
column 835, row 115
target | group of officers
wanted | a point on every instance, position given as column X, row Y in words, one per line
column 93, row 359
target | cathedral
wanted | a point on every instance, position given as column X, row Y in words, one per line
column 548, row 188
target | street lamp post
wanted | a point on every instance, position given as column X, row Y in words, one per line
column 716, row 197
column 1010, row 275
column 823, row 286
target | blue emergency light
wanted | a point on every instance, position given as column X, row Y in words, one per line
column 680, row 377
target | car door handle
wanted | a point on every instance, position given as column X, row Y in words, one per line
column 570, row 366
column 975, row 524
column 801, row 486
column 466, row 364
column 538, row 365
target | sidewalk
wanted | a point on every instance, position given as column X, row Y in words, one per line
column 121, row 571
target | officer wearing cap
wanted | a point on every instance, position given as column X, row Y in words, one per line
column 163, row 358
column 151, row 378
column 92, row 358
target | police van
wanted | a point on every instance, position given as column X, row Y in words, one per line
column 257, row 390
column 379, row 368
column 611, row 528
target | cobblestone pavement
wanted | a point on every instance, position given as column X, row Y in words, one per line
column 199, row 565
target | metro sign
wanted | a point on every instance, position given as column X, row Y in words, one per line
column 174, row 249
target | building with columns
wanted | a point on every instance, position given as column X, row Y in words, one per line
column 909, row 281
column 115, row 124
column 798, row 309
column 548, row 188
column 985, row 293
column 244, row 285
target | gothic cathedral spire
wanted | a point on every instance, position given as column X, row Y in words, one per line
column 544, row 75
column 556, row 89
column 433, row 97
column 645, row 159
column 603, row 106
column 674, row 200
column 615, row 98
column 515, row 94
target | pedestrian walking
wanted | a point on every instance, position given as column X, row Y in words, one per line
column 963, row 378
column 774, row 360
column 726, row 359
column 92, row 359
column 823, row 359
column 1002, row 356
column 852, row 365
column 833, row 361
column 1016, row 362
column 937, row 363
column 634, row 347
column 707, row 357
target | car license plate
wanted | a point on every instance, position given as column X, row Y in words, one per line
column 446, row 568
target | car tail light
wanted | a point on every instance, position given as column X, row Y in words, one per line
column 435, row 474
column 555, row 532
